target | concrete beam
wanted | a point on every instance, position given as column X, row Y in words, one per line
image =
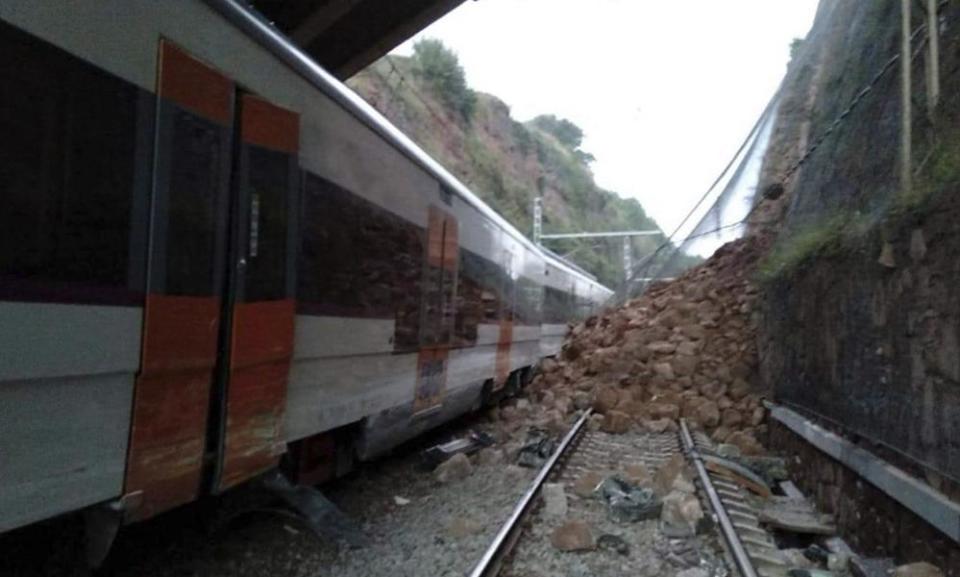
column 603, row 234
column 929, row 504
column 321, row 20
column 392, row 38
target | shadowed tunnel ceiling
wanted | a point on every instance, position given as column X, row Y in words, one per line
column 344, row 36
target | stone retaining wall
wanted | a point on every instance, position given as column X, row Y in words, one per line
column 873, row 523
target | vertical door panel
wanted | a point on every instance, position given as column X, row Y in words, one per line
column 181, row 316
column 505, row 335
column 261, row 339
column 437, row 310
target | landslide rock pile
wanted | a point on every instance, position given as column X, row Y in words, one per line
column 686, row 348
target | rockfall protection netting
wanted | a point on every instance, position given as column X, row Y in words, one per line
column 717, row 218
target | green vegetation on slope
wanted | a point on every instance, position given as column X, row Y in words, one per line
column 506, row 162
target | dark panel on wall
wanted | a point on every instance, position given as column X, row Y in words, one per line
column 358, row 260
column 68, row 166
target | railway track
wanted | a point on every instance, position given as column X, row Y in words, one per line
column 733, row 544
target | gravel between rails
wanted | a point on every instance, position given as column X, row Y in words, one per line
column 650, row 551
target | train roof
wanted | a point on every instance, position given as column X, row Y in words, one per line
column 269, row 36
column 558, row 261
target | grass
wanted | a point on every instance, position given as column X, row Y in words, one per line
column 840, row 233
column 940, row 173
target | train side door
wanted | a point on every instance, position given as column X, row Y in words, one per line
column 168, row 435
column 219, row 313
column 257, row 338
column 437, row 312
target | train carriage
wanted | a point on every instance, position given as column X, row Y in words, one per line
column 213, row 255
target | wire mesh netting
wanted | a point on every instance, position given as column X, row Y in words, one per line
column 718, row 217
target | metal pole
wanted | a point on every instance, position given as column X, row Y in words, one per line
column 537, row 219
column 906, row 113
column 627, row 258
column 933, row 57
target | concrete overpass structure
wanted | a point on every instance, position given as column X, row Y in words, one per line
column 344, row 36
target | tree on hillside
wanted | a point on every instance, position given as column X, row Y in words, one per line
column 441, row 69
column 566, row 132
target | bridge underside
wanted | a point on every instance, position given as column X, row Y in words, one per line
column 344, row 36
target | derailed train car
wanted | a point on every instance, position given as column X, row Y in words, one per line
column 216, row 260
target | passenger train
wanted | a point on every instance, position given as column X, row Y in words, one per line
column 217, row 260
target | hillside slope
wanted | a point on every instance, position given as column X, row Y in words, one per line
column 507, row 163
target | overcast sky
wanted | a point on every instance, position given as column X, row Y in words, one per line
column 664, row 90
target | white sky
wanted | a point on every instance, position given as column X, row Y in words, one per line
column 664, row 90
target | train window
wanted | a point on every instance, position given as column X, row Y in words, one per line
column 529, row 301
column 67, row 165
column 269, row 187
column 359, row 260
column 196, row 150
column 478, row 295
column 558, row 306
column 481, row 282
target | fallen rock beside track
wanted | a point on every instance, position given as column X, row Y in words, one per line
column 686, row 348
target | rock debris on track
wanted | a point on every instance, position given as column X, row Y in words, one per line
column 686, row 348
column 582, row 538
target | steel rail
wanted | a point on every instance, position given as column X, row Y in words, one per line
column 740, row 556
column 489, row 564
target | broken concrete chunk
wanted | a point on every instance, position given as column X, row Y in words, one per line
column 536, row 449
column 626, row 502
column 573, row 536
column 554, row 500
